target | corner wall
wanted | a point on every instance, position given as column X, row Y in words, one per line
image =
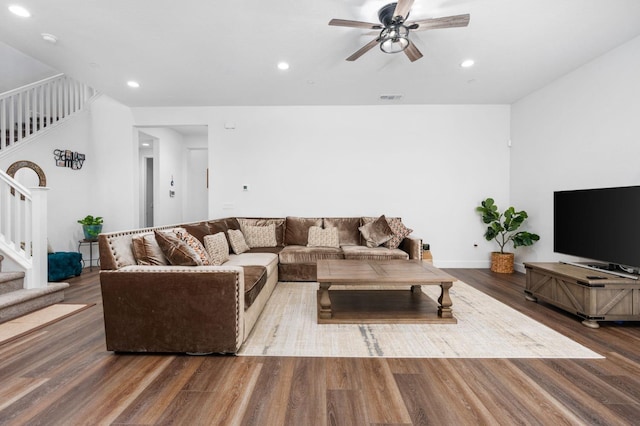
column 582, row 131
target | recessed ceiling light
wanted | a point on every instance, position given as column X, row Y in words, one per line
column 133, row 84
column 49, row 37
column 283, row 66
column 19, row 10
column 467, row 63
column 146, row 144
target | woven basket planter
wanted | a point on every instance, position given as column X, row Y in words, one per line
column 502, row 262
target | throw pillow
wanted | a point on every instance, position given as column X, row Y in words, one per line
column 399, row 232
column 377, row 232
column 194, row 243
column 176, row 251
column 319, row 237
column 237, row 241
column 217, row 248
column 260, row 236
column 147, row 251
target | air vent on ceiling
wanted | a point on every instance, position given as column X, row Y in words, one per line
column 390, row 97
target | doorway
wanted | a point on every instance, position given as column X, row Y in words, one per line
column 172, row 174
column 147, row 171
column 148, row 193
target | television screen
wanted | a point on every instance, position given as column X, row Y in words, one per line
column 599, row 224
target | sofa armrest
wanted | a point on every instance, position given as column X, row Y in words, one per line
column 413, row 246
column 173, row 309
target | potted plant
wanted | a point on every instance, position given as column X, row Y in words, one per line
column 503, row 228
column 91, row 226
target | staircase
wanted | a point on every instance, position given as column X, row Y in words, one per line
column 28, row 110
column 26, row 113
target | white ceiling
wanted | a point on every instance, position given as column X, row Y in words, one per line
column 205, row 52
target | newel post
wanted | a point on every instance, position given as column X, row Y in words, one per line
column 39, row 277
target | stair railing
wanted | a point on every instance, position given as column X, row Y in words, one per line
column 23, row 228
column 28, row 109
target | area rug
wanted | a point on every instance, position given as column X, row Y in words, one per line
column 18, row 327
column 486, row 328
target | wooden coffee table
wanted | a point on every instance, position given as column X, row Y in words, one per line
column 401, row 301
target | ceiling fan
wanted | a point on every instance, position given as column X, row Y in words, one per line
column 394, row 34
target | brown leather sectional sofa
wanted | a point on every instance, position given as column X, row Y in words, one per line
column 203, row 309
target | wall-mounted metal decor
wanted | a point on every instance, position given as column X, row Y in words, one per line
column 67, row 158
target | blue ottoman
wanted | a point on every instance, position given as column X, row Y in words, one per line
column 63, row 265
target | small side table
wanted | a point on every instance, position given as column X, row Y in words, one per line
column 90, row 243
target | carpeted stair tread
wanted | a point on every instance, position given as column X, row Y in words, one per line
column 23, row 301
column 9, row 276
column 22, row 295
column 11, row 281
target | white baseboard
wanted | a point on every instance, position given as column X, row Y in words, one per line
column 462, row 264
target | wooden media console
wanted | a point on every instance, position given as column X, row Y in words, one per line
column 592, row 295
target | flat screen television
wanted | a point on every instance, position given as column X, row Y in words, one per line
column 600, row 224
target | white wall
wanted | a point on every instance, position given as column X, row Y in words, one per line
column 196, row 203
column 582, row 131
column 113, row 186
column 431, row 165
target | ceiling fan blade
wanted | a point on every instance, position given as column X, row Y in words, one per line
column 402, row 8
column 354, row 24
column 436, row 23
column 412, row 52
column 364, row 49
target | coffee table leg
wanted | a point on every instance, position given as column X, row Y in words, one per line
column 444, row 310
column 324, row 310
column 416, row 288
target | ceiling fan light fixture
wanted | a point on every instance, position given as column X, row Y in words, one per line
column 394, row 39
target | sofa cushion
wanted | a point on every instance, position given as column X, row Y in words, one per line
column 199, row 230
column 297, row 230
column 274, row 250
column 216, row 226
column 319, row 237
column 120, row 251
column 237, row 241
column 147, row 251
column 217, row 247
column 232, row 223
column 304, row 254
column 255, row 277
column 176, row 251
column 278, row 222
column 399, row 232
column 268, row 260
column 377, row 232
column 373, row 253
column 260, row 236
column 348, row 232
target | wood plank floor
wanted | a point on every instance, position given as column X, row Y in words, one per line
column 62, row 375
